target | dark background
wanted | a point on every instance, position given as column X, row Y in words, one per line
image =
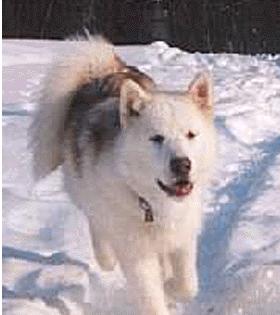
column 243, row 26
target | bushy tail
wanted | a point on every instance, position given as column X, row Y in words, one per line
column 91, row 59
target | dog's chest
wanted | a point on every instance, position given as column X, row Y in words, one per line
column 166, row 237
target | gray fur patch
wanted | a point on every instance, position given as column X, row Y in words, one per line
column 93, row 118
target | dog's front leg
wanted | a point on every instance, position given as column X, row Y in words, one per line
column 184, row 285
column 146, row 286
column 102, row 248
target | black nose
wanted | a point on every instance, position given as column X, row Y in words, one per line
column 180, row 166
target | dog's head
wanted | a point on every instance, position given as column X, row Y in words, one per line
column 167, row 142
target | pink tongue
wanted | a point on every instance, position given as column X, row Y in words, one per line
column 182, row 191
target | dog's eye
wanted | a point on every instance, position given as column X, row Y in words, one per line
column 158, row 139
column 190, row 135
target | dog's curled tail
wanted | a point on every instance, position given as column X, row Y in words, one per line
column 91, row 59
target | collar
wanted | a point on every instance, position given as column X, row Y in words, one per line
column 146, row 207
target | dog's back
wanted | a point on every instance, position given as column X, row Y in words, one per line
column 93, row 117
column 73, row 87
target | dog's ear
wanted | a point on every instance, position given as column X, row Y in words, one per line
column 201, row 92
column 132, row 100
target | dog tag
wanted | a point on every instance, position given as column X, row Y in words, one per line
column 147, row 208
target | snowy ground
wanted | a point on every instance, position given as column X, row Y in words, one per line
column 48, row 263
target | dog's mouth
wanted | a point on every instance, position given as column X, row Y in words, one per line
column 181, row 188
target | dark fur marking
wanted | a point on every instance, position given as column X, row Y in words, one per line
column 93, row 117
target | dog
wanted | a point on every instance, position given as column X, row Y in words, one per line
column 136, row 160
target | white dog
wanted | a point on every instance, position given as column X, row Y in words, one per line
column 135, row 159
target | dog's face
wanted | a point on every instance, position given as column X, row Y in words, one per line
column 167, row 144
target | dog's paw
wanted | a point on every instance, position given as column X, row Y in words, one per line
column 106, row 262
column 192, row 288
column 107, row 265
column 182, row 290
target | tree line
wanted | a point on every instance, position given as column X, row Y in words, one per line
column 242, row 26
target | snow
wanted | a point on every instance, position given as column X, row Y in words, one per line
column 48, row 262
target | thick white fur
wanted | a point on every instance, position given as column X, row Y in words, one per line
column 158, row 258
